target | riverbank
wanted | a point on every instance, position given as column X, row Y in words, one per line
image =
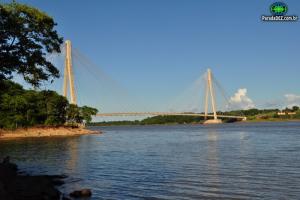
column 270, row 120
column 44, row 132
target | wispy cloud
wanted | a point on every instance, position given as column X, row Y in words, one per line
column 287, row 100
column 240, row 100
column 292, row 100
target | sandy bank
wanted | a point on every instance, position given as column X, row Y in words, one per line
column 45, row 132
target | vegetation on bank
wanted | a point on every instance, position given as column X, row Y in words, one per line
column 27, row 35
column 251, row 114
column 267, row 114
column 25, row 108
column 153, row 120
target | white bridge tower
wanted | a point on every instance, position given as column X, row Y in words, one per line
column 210, row 92
column 68, row 74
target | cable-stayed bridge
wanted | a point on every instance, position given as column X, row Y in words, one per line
column 72, row 56
column 167, row 114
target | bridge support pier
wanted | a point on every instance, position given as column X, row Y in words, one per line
column 213, row 121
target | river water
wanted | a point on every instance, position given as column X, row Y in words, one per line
column 228, row 161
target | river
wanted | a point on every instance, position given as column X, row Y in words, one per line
column 227, row 161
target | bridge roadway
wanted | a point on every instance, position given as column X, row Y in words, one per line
column 165, row 114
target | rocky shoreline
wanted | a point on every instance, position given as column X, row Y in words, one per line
column 15, row 186
column 45, row 132
column 18, row 186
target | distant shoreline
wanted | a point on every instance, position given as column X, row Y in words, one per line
column 170, row 124
column 34, row 132
column 270, row 120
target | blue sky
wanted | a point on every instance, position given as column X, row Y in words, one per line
column 158, row 48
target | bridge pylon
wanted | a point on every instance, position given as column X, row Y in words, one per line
column 209, row 91
column 68, row 74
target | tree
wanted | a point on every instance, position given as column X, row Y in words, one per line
column 56, row 108
column 12, row 109
column 73, row 114
column 23, row 108
column 295, row 108
column 26, row 35
column 87, row 112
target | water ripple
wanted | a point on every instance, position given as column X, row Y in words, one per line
column 230, row 161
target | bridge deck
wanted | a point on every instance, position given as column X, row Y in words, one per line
column 164, row 114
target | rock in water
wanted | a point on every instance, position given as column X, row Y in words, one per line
column 86, row 192
column 6, row 160
column 81, row 193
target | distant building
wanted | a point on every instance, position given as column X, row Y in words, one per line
column 286, row 113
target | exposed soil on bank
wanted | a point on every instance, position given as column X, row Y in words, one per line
column 45, row 132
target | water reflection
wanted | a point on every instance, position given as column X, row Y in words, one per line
column 213, row 161
column 72, row 157
column 244, row 149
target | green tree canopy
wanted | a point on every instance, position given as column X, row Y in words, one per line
column 24, row 108
column 295, row 108
column 87, row 113
column 26, row 35
column 73, row 114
